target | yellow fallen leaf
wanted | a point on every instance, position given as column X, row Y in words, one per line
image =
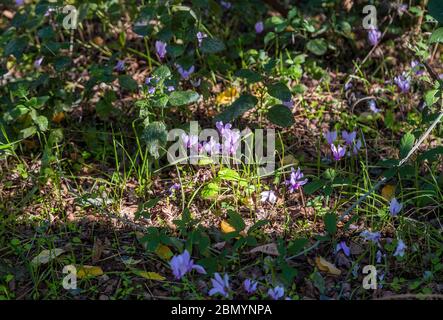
column 226, row 227
column 326, row 266
column 150, row 275
column 388, row 191
column 47, row 255
column 89, row 271
column 58, row 117
column 164, row 252
column 226, row 96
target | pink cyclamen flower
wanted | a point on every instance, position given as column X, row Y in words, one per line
column 220, row 285
column 268, row 196
column 189, row 141
column 212, row 147
column 259, row 27
column 338, row 152
column 349, row 137
column 400, row 250
column 276, row 293
column 250, row 286
column 200, row 37
column 373, row 106
column 394, row 207
column 374, row 36
column 342, row 246
column 160, row 48
column 185, row 74
column 38, row 63
column 403, row 83
column 182, row 264
column 330, row 136
column 295, row 180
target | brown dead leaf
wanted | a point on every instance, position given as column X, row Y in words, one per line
column 326, row 266
column 270, row 248
column 97, row 250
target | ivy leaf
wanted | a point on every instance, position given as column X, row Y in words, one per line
column 406, row 144
column 330, row 223
column 280, row 91
column 436, row 36
column 244, row 103
column 281, row 116
column 180, row 98
column 317, row 46
column 210, row 45
column 126, row 82
column 155, row 136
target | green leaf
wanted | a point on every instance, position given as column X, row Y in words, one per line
column 435, row 8
column 155, row 136
column 236, row 221
column 436, row 36
column 313, row 186
column 430, row 97
column 210, row 45
column 317, row 46
column 281, row 116
column 228, row 174
column 280, row 91
column 126, row 82
column 297, row 246
column 15, row 47
column 42, row 123
column 249, row 75
column 406, row 144
column 331, row 223
column 244, row 103
column 162, row 73
column 180, row 98
column 210, row 191
column 431, row 155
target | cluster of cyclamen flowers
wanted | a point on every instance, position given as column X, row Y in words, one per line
column 182, row 264
column 350, row 142
column 230, row 141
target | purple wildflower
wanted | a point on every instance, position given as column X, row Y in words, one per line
column 338, row 152
column 357, row 147
column 220, row 285
column 276, row 293
column 259, row 27
column 394, row 207
column 342, row 246
column 415, row 66
column 173, row 188
column 400, row 250
column 226, row 4
column 38, row 63
column 200, row 37
column 182, row 264
column 185, row 74
column 268, row 196
column 19, row 3
column 403, row 83
column 120, row 66
column 160, row 47
column 371, row 236
column 379, row 255
column 349, row 137
column 330, row 136
column 250, row 286
column 223, row 128
column 212, row 147
column 348, row 85
column 196, row 83
column 295, row 180
column 189, row 141
column 289, row 104
column 373, row 106
column 170, row 88
column 374, row 36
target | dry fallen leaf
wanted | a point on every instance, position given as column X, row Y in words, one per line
column 326, row 266
column 89, row 271
column 388, row 191
column 226, row 227
column 226, row 96
column 58, row 117
column 97, row 250
column 150, row 275
column 270, row 248
column 164, row 252
column 47, row 255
